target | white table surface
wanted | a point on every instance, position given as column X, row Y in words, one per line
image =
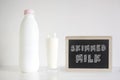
column 13, row 73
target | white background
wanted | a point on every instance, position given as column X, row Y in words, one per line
column 66, row 18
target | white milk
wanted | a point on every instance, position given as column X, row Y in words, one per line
column 52, row 51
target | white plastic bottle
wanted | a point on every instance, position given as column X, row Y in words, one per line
column 29, row 43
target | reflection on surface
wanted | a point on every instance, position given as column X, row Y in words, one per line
column 39, row 76
column 52, row 76
column 9, row 73
column 29, row 76
column 64, row 75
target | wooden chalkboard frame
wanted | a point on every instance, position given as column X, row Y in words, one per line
column 89, row 38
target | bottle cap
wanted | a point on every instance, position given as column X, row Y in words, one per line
column 28, row 11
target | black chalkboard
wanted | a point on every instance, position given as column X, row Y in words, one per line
column 88, row 52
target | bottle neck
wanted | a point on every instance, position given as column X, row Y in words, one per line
column 29, row 15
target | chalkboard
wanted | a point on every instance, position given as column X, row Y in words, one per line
column 88, row 53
